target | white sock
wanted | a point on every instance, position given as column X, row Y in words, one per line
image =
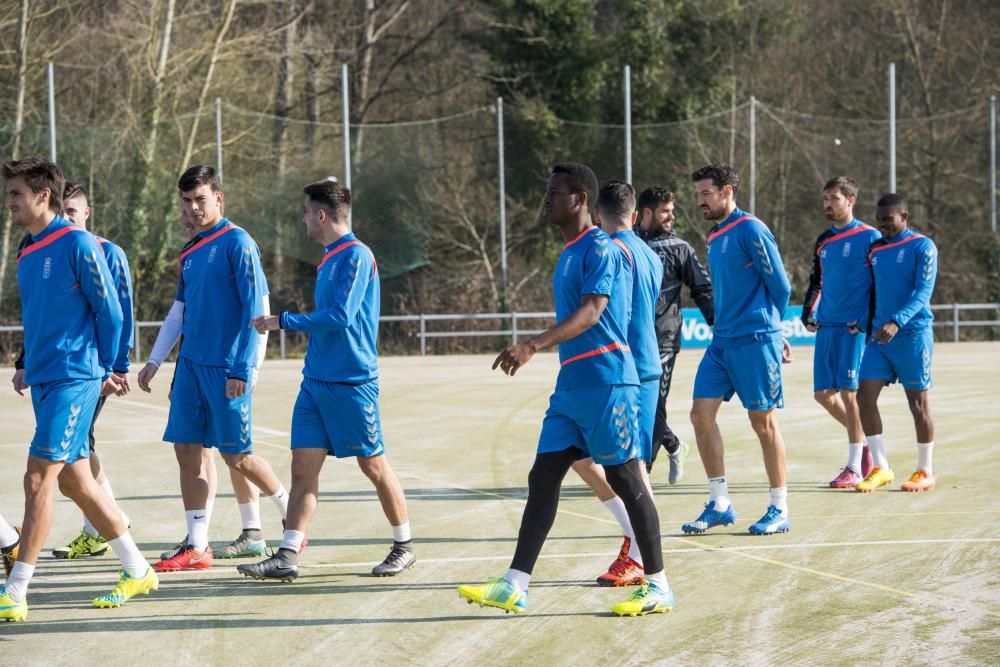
column 518, row 578
column 130, row 556
column 659, row 578
column 197, row 524
column 925, row 452
column 854, row 451
column 89, row 527
column 718, row 491
column 281, row 501
column 209, row 508
column 618, row 511
column 779, row 498
column 17, row 582
column 8, row 535
column 877, row 446
column 401, row 533
column 293, row 540
column 250, row 513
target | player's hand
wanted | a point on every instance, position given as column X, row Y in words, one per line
column 18, row 381
column 111, row 386
column 125, row 386
column 235, row 388
column 786, row 351
column 887, row 332
column 514, row 357
column 266, row 323
column 146, row 376
column 812, row 326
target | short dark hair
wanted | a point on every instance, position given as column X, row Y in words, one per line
column 652, row 197
column 73, row 189
column 891, row 199
column 616, row 198
column 581, row 180
column 199, row 174
column 38, row 174
column 847, row 187
column 721, row 175
column 331, row 195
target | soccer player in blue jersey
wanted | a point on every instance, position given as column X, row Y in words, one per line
column 615, row 214
column 680, row 267
column 221, row 285
column 901, row 343
column 594, row 408
column 72, row 328
column 746, row 353
column 337, row 412
column 76, row 209
column 250, row 541
column 836, row 308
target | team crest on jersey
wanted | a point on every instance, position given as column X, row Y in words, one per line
column 725, row 244
column 212, row 252
column 47, row 267
column 899, row 255
column 569, row 260
column 847, row 250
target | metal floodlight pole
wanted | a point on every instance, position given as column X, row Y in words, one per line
column 218, row 137
column 993, row 163
column 502, row 187
column 753, row 153
column 52, row 112
column 345, row 110
column 892, row 127
column 628, row 124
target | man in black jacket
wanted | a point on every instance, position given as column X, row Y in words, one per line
column 680, row 267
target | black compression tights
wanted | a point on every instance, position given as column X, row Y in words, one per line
column 544, row 481
column 626, row 481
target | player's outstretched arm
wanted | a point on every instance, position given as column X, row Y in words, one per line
column 581, row 319
column 166, row 339
column 352, row 280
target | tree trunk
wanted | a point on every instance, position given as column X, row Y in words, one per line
column 282, row 104
column 15, row 151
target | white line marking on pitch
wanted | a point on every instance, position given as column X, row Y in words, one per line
column 586, row 554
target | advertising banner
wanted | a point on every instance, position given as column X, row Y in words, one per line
column 695, row 332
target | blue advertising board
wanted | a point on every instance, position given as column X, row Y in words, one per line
column 695, row 331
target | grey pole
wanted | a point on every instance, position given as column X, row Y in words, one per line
column 993, row 163
column 218, row 137
column 346, row 113
column 52, row 113
column 502, row 186
column 628, row 124
column 892, row 127
column 753, row 153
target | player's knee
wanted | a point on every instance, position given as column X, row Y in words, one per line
column 33, row 483
column 701, row 420
column 373, row 467
column 824, row 397
column 542, row 475
column 241, row 463
column 764, row 423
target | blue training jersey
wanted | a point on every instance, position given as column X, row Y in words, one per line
column 845, row 281
column 647, row 276
column 591, row 264
column 904, row 268
column 343, row 329
column 69, row 308
column 122, row 280
column 222, row 286
column 748, row 279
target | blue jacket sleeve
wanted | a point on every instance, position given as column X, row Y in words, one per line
column 98, row 287
column 767, row 262
column 118, row 265
column 349, row 287
column 244, row 259
column 923, row 285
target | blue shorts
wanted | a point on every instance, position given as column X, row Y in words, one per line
column 200, row 413
column 602, row 422
column 749, row 366
column 907, row 358
column 649, row 395
column 64, row 412
column 837, row 357
column 341, row 418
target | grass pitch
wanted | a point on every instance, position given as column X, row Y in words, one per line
column 891, row 577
